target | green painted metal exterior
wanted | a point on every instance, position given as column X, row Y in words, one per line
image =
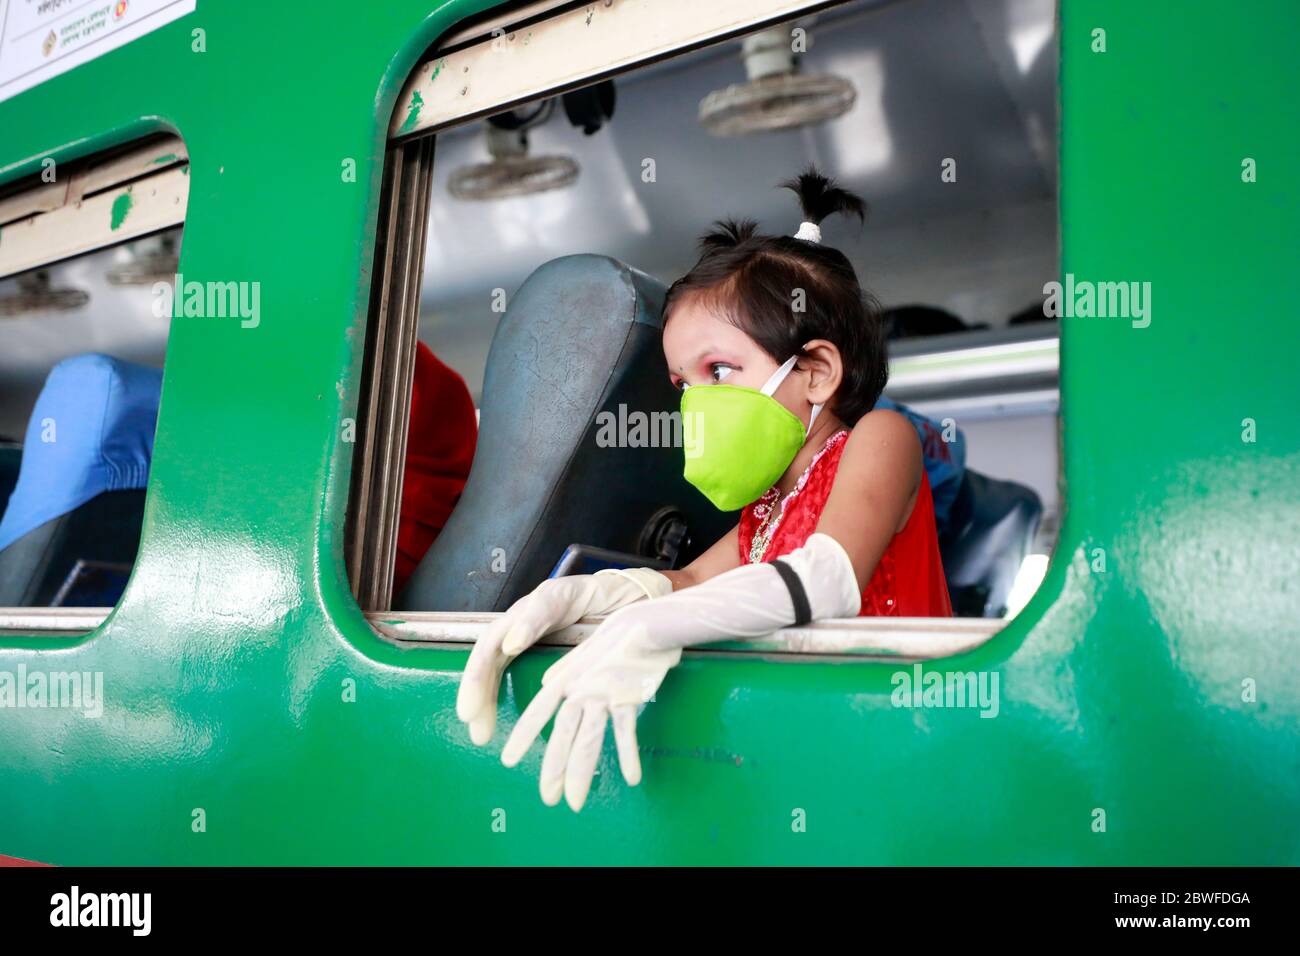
column 1122, row 690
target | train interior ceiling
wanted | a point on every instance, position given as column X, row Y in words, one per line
column 942, row 114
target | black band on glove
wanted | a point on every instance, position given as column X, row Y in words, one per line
column 798, row 596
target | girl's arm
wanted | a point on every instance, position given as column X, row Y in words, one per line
column 722, row 556
column 875, row 489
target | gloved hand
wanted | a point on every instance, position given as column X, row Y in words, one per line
column 623, row 663
column 553, row 604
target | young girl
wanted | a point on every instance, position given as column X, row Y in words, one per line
column 780, row 357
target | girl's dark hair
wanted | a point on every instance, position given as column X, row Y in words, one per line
column 754, row 281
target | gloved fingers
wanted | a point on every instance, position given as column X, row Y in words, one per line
column 551, row 781
column 530, row 723
column 483, row 726
column 477, row 688
column 585, row 754
column 553, row 604
column 544, row 609
column 528, row 627
column 629, row 758
column 484, row 722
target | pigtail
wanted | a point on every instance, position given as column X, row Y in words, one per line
column 820, row 196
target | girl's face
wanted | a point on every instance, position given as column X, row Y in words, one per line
column 703, row 349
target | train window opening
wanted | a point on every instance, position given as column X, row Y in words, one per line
column 554, row 223
column 89, row 252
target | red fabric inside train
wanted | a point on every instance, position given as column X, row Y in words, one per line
column 439, row 450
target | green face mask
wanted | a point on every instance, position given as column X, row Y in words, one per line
column 739, row 441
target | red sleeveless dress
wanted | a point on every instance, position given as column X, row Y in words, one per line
column 908, row 581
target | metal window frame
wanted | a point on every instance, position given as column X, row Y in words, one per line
column 47, row 222
column 842, row 640
column 847, row 640
column 574, row 47
column 383, row 414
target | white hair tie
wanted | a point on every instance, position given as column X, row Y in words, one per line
column 809, row 232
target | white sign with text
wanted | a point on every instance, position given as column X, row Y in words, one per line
column 43, row 38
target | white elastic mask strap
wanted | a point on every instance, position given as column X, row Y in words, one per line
column 774, row 382
column 817, row 409
column 776, row 378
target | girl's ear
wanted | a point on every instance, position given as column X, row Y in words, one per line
column 825, row 370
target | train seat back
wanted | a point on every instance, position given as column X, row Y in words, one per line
column 10, row 458
column 71, row 527
column 991, row 529
column 573, row 425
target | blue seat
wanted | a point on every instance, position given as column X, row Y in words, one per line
column 991, row 529
column 577, row 354
column 71, row 527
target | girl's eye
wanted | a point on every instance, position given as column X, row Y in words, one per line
column 720, row 371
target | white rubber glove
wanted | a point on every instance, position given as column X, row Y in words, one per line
column 553, row 604
column 623, row 663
